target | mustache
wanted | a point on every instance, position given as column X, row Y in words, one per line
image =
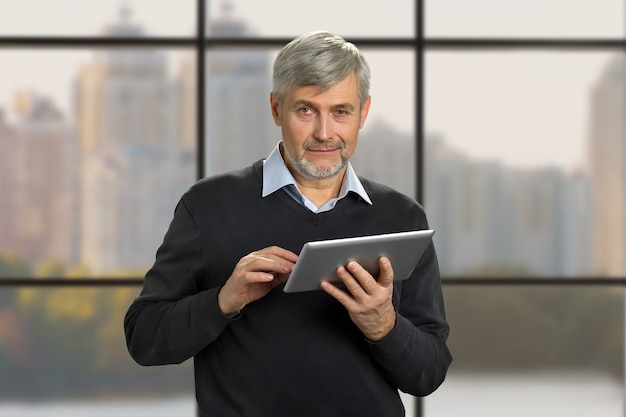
column 323, row 146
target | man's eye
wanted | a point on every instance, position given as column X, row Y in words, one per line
column 306, row 110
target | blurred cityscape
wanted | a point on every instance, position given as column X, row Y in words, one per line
column 497, row 220
column 90, row 194
column 94, row 197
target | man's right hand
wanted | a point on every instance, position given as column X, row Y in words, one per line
column 254, row 276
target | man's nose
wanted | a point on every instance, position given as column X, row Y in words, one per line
column 323, row 127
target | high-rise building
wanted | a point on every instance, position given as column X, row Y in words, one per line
column 44, row 176
column 578, row 226
column 9, row 142
column 134, row 163
column 188, row 109
column 238, row 122
column 498, row 220
column 539, row 211
column 396, row 151
column 606, row 149
column 450, row 202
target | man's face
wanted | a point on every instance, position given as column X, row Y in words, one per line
column 320, row 129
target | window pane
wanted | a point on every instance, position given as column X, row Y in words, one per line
column 95, row 152
column 240, row 128
column 62, row 352
column 541, row 351
column 284, row 18
column 524, row 157
column 525, row 18
column 386, row 149
column 239, row 125
column 97, row 18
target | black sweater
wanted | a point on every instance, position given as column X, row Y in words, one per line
column 288, row 354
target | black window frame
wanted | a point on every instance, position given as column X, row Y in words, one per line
column 418, row 44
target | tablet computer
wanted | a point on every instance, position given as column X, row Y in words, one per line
column 319, row 260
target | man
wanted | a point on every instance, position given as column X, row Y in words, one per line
column 215, row 290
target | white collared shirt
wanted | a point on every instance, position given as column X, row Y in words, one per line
column 277, row 176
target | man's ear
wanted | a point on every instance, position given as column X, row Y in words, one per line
column 365, row 111
column 274, row 106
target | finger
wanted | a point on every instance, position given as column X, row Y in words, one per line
column 354, row 287
column 279, row 279
column 347, row 301
column 385, row 278
column 269, row 264
column 279, row 252
column 255, row 277
column 284, row 257
column 362, row 277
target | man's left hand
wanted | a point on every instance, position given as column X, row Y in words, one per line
column 368, row 301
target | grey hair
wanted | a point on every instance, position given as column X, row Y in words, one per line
column 320, row 59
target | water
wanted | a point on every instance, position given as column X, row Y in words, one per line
column 179, row 407
column 472, row 395
column 573, row 394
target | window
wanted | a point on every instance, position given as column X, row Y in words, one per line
column 96, row 146
column 523, row 151
column 506, row 123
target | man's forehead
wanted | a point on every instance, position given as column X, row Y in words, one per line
column 346, row 91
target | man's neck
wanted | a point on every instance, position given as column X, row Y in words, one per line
column 320, row 191
column 317, row 190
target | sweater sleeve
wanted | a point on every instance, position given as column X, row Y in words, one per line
column 414, row 355
column 172, row 320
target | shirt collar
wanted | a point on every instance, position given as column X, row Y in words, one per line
column 276, row 176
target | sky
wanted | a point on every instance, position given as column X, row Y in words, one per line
column 461, row 89
column 484, row 104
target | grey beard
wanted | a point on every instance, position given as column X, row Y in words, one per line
column 308, row 170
